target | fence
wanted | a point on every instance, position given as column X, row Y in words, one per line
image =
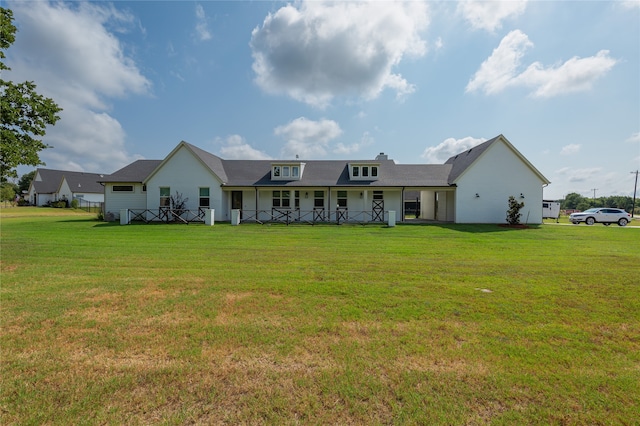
column 312, row 217
column 284, row 216
column 166, row 214
column 89, row 206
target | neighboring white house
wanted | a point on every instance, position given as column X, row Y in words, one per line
column 471, row 187
column 50, row 185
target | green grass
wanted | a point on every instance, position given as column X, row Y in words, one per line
column 432, row 324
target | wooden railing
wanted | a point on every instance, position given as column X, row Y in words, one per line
column 292, row 216
column 167, row 215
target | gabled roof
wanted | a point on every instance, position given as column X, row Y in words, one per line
column 212, row 162
column 134, row 172
column 84, row 182
column 335, row 173
column 245, row 173
column 49, row 181
column 462, row 162
column 78, row 181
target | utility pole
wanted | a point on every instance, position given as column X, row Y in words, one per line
column 594, row 193
column 635, row 186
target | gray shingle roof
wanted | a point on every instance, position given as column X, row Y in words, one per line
column 460, row 162
column 78, row 181
column 319, row 173
column 134, row 172
column 336, row 173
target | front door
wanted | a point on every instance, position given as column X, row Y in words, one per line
column 236, row 201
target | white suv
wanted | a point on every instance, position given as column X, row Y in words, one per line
column 603, row 215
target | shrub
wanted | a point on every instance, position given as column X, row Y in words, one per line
column 513, row 214
column 75, row 203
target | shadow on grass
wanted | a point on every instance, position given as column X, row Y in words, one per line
column 474, row 228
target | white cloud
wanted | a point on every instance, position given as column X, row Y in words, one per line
column 488, row 15
column 575, row 75
column 570, row 149
column 73, row 58
column 202, row 30
column 307, row 138
column 630, row 4
column 438, row 44
column 236, row 148
column 343, row 149
column 634, row 138
column 580, row 175
column 448, row 148
column 499, row 71
column 314, row 51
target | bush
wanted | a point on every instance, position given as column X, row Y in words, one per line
column 75, row 203
column 513, row 214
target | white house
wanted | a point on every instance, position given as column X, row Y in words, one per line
column 50, row 185
column 471, row 187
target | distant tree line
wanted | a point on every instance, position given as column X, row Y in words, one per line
column 576, row 201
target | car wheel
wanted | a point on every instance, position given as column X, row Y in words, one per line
column 575, row 223
column 623, row 222
column 590, row 221
column 606, row 224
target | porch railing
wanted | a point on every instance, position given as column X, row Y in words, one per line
column 167, row 215
column 294, row 216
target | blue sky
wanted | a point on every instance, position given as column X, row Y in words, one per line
column 419, row 81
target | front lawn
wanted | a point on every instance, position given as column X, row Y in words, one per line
column 416, row 324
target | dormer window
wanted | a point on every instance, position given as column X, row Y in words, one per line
column 284, row 171
column 364, row 171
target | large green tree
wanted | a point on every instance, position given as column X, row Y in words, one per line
column 24, row 113
column 25, row 180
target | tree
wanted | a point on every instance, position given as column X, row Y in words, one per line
column 24, row 113
column 513, row 214
column 571, row 201
column 8, row 191
column 25, row 181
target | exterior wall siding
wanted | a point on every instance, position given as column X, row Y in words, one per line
column 185, row 174
column 116, row 201
column 494, row 177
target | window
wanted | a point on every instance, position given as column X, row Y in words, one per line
column 296, row 199
column 122, row 188
column 144, row 188
column 364, row 171
column 342, row 199
column 281, row 199
column 165, row 196
column 204, row 197
column 318, row 199
column 377, row 195
column 284, row 171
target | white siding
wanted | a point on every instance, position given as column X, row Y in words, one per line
column 116, row 201
column 64, row 192
column 496, row 175
column 185, row 174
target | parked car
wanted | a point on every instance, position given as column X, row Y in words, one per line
column 603, row 215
